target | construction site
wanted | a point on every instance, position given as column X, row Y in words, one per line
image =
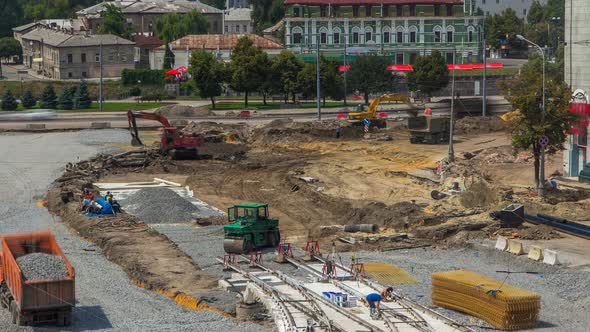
column 285, row 225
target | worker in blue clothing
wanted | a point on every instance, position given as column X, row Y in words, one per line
column 374, row 301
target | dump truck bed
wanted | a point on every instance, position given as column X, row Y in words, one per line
column 35, row 295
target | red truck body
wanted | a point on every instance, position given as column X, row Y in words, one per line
column 34, row 301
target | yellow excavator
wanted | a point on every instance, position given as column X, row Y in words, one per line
column 360, row 113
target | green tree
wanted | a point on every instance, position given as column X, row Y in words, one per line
column 331, row 83
column 430, row 74
column 208, row 74
column 536, row 13
column 12, row 16
column 285, row 68
column 81, row 97
column 219, row 4
column 246, row 67
column 28, row 100
column 269, row 79
column 267, row 13
column 174, row 26
column 10, row 47
column 65, row 101
column 369, row 74
column 529, row 123
column 502, row 29
column 114, row 22
column 49, row 98
column 168, row 58
column 8, row 101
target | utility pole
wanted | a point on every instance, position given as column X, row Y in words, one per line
column 345, row 69
column 317, row 69
column 484, row 81
column 100, row 83
column 451, row 156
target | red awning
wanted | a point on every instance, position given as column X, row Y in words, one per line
column 468, row 66
column 580, row 108
column 341, row 68
column 400, row 68
column 172, row 72
column 181, row 68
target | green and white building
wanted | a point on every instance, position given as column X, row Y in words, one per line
column 399, row 29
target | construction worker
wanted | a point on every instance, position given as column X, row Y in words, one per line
column 374, row 301
column 338, row 131
column 109, row 197
column 387, row 294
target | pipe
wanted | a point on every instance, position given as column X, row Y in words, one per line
column 365, row 228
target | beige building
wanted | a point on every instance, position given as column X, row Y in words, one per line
column 58, row 55
column 142, row 15
column 220, row 45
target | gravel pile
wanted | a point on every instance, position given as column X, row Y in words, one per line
column 41, row 266
column 160, row 206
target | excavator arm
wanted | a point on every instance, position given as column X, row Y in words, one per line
column 132, row 115
column 371, row 112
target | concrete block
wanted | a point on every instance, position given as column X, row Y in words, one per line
column 535, row 253
column 100, row 125
column 35, row 126
column 501, row 243
column 515, row 247
column 550, row 257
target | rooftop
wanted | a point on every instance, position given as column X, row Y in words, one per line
column 373, row 2
column 141, row 40
column 219, row 41
column 151, row 7
column 238, row 14
column 61, row 39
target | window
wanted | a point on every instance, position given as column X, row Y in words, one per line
column 399, row 58
column 355, row 37
column 226, row 29
column 97, row 57
column 524, row 12
column 386, row 37
column 368, row 10
column 413, row 57
column 385, row 12
column 449, row 58
column 323, row 11
column 70, row 58
column 84, row 74
column 238, row 28
column 69, row 75
column 399, row 10
column 355, row 11
column 412, row 36
column 336, row 37
column 368, row 36
column 437, row 36
column 449, row 36
column 297, row 38
column 470, row 36
column 296, row 12
column 400, row 37
column 83, row 57
column 497, row 1
column 245, row 28
column 436, row 10
column 412, row 10
column 449, row 10
column 323, row 37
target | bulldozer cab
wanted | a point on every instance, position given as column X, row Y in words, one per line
column 359, row 108
column 247, row 212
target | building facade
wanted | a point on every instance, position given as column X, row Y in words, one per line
column 220, row 45
column 492, row 7
column 238, row 21
column 577, row 76
column 141, row 15
column 399, row 29
column 58, row 55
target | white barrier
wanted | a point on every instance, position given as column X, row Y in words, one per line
column 550, row 257
column 501, row 243
column 515, row 247
column 535, row 253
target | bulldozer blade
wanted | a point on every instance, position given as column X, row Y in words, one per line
column 135, row 142
column 233, row 246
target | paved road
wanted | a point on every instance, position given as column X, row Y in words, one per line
column 106, row 299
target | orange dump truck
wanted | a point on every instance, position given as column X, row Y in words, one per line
column 34, row 302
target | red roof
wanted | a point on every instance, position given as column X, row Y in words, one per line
column 218, row 41
column 142, row 41
column 373, row 2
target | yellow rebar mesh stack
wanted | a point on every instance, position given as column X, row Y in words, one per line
column 388, row 274
column 504, row 306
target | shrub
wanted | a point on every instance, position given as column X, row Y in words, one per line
column 8, row 101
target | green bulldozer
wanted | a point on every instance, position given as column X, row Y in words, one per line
column 250, row 228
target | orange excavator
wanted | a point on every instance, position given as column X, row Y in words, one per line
column 173, row 142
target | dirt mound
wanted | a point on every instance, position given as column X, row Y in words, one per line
column 288, row 131
column 479, row 195
column 399, row 215
column 218, row 132
column 160, row 206
column 535, row 232
column 503, row 155
column 183, row 111
column 477, row 125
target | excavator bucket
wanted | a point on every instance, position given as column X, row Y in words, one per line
column 233, row 246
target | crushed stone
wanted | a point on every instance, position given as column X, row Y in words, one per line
column 160, row 206
column 41, row 266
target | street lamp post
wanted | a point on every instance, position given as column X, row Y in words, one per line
column 451, row 156
column 345, row 69
column 541, row 188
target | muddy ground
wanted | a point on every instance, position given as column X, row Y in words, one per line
column 379, row 178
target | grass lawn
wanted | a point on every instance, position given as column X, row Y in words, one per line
column 115, row 107
column 220, row 106
column 489, row 72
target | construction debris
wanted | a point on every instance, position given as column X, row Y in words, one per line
column 160, row 206
column 41, row 266
column 504, row 306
